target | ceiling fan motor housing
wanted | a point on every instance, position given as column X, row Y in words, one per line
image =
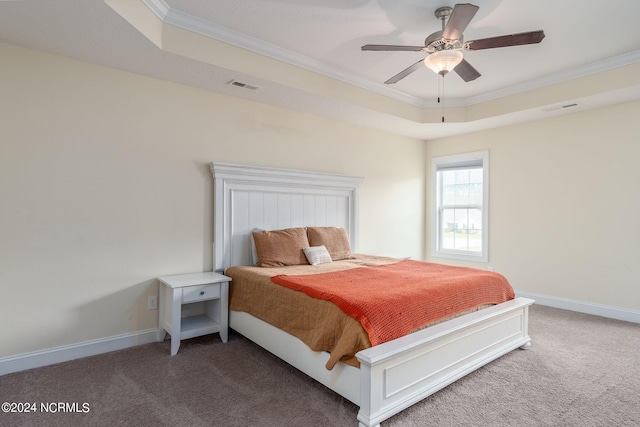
column 435, row 42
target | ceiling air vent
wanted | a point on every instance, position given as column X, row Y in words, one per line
column 242, row 85
column 560, row 107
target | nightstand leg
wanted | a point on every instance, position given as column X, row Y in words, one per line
column 175, row 321
column 224, row 311
column 175, row 345
column 162, row 333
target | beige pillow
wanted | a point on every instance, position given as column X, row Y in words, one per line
column 335, row 239
column 278, row 248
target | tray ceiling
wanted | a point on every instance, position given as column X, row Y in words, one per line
column 305, row 54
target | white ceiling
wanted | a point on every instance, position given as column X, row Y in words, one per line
column 324, row 36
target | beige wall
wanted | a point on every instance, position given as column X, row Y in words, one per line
column 104, row 185
column 564, row 203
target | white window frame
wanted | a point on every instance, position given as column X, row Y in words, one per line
column 436, row 191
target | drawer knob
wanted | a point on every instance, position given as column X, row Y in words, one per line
column 201, row 292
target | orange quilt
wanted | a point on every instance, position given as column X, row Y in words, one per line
column 389, row 300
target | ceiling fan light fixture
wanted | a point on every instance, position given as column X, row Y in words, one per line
column 443, row 61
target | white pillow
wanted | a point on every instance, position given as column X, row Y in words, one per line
column 317, row 255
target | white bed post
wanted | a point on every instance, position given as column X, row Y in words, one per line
column 370, row 384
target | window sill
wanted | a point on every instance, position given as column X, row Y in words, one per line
column 461, row 256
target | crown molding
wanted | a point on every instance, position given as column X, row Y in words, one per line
column 201, row 26
column 623, row 60
column 159, row 7
column 186, row 21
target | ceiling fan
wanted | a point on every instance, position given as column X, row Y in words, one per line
column 444, row 48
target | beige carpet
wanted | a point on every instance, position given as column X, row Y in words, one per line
column 580, row 371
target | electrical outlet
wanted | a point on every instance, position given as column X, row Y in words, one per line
column 490, row 268
column 152, row 303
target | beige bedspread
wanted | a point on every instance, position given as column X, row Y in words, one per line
column 318, row 323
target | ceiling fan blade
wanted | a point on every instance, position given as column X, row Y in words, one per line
column 530, row 37
column 461, row 16
column 466, row 71
column 391, row 47
column 404, row 73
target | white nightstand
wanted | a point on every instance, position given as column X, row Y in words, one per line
column 193, row 305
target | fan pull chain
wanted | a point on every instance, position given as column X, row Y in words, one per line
column 443, row 98
column 441, row 94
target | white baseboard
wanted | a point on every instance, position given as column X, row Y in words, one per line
column 64, row 353
column 584, row 307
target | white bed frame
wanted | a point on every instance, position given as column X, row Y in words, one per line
column 392, row 376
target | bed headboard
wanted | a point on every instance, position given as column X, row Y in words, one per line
column 248, row 197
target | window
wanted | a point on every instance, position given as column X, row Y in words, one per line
column 460, row 214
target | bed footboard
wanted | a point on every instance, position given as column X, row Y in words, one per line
column 397, row 374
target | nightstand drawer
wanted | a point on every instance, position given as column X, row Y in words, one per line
column 200, row 293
